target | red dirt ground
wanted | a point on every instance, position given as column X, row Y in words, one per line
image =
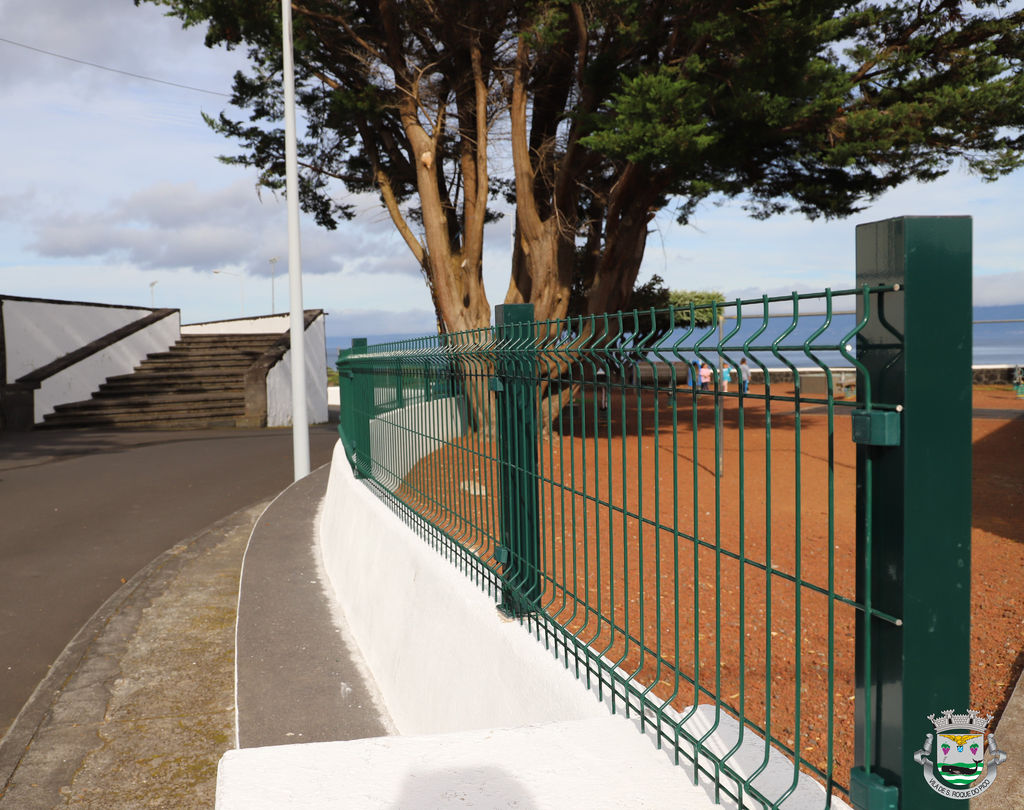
column 733, row 621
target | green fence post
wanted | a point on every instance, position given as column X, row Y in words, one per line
column 913, row 500
column 515, row 385
column 362, row 408
column 399, row 372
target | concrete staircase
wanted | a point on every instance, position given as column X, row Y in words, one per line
column 198, row 383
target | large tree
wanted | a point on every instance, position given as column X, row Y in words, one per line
column 808, row 106
column 610, row 111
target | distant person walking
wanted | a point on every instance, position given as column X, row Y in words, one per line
column 726, row 377
column 744, row 375
column 705, row 377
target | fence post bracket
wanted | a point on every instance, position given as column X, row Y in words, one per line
column 877, row 428
column 868, row 791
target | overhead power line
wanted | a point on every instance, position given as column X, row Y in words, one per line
column 114, row 70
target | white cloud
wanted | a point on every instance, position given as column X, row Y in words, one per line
column 112, row 33
column 999, row 288
column 179, row 225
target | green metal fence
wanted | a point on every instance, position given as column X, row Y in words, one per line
column 691, row 517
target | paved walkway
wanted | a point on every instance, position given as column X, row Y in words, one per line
column 298, row 679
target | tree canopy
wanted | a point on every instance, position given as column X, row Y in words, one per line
column 606, row 112
column 659, row 310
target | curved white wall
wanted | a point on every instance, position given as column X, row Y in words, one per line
column 431, row 423
column 441, row 655
column 279, row 380
column 39, row 332
column 79, row 381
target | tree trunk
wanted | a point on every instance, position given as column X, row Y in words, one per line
column 631, row 207
column 544, row 250
column 542, row 265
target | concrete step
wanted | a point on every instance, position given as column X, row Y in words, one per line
column 162, row 403
column 127, row 418
column 188, row 406
column 199, row 382
column 238, row 366
column 140, row 422
column 171, row 385
column 240, row 336
column 187, row 360
column 252, row 342
column 206, row 355
column 208, row 373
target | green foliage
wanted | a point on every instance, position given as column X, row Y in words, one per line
column 659, row 310
column 652, row 294
column 703, row 309
column 788, row 105
column 659, row 120
column 817, row 107
column 353, row 64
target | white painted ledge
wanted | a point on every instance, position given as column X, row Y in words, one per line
column 263, row 325
column 600, row 763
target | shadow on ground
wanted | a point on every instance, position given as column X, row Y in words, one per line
column 998, row 474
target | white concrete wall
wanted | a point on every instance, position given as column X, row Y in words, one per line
column 279, row 380
column 442, row 657
column 39, row 332
column 79, row 381
column 271, row 324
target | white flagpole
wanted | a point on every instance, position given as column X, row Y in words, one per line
column 300, row 419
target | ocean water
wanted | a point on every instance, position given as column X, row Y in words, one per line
column 993, row 343
column 998, row 343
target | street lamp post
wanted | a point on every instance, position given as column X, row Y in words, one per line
column 241, row 284
column 296, row 318
column 152, row 295
column 273, row 267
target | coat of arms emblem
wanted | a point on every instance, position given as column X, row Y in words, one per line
column 962, row 767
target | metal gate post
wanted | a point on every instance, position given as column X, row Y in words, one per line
column 515, row 386
column 913, row 500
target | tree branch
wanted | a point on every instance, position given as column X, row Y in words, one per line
column 387, row 194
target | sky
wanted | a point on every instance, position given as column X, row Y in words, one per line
column 111, row 192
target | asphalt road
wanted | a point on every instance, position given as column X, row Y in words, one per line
column 81, row 511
